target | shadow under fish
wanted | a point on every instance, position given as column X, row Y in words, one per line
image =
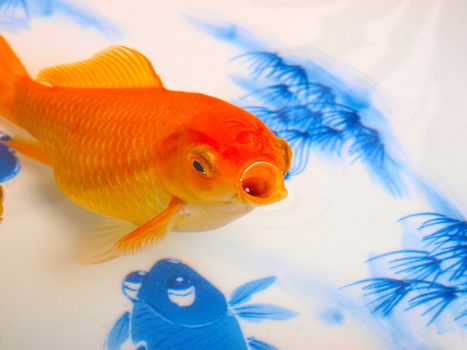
column 176, row 308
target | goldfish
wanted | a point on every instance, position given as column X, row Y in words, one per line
column 123, row 146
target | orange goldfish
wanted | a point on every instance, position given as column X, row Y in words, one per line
column 123, row 146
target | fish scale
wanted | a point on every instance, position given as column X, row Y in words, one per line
column 94, row 171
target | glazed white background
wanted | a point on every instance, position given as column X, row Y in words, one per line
column 413, row 53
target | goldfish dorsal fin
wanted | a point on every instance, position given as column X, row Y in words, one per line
column 115, row 67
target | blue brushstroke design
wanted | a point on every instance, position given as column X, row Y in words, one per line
column 255, row 344
column 245, row 292
column 176, row 308
column 312, row 115
column 332, row 316
column 311, row 108
column 317, row 112
column 434, row 278
column 9, row 164
column 261, row 312
column 16, row 15
column 119, row 333
column 308, row 287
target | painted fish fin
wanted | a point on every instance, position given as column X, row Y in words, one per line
column 150, row 232
column 96, row 246
column 28, row 148
column 255, row 344
column 119, row 334
column 115, row 67
column 11, row 69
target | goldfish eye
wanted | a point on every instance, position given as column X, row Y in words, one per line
column 199, row 167
column 202, row 160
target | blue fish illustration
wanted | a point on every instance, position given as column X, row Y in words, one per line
column 16, row 14
column 9, row 167
column 9, row 164
column 176, row 308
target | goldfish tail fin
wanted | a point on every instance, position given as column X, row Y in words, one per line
column 97, row 246
column 11, row 69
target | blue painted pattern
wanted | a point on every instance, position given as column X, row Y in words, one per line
column 316, row 112
column 173, row 307
column 16, row 15
column 434, row 278
column 9, row 164
column 310, row 107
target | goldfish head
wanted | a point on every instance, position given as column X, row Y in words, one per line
column 234, row 159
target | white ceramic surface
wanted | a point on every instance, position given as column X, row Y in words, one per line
column 411, row 55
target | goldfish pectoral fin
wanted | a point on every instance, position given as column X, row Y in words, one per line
column 29, row 148
column 150, row 232
column 115, row 67
column 97, row 245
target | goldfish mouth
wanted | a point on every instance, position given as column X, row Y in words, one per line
column 182, row 297
column 262, row 183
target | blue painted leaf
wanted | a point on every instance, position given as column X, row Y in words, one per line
column 119, row 333
column 387, row 293
column 462, row 317
column 413, row 264
column 261, row 312
column 256, row 344
column 437, row 298
column 244, row 293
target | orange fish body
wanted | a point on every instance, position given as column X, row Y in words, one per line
column 123, row 146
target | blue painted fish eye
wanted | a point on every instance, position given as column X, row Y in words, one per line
column 179, row 282
column 199, row 167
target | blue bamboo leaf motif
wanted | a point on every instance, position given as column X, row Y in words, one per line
column 462, row 316
column 255, row 344
column 437, row 298
column 244, row 293
column 435, row 278
column 307, row 114
column 389, row 293
column 416, row 264
column 261, row 312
